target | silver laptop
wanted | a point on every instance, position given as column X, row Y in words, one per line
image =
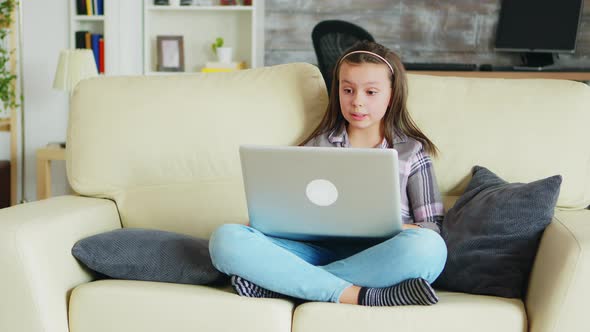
column 312, row 193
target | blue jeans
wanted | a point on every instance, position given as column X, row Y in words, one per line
column 321, row 270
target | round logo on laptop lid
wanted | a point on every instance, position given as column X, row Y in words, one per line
column 321, row 192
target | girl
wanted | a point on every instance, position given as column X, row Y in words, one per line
column 367, row 108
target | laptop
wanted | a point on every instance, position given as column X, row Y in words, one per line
column 315, row 193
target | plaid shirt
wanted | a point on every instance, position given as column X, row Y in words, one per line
column 420, row 198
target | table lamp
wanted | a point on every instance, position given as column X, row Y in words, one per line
column 72, row 67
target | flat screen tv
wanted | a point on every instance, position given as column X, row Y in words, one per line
column 538, row 29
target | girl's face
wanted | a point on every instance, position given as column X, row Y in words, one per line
column 365, row 92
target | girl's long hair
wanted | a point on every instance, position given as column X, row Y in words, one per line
column 397, row 119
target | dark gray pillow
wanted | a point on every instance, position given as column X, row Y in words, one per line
column 492, row 234
column 150, row 255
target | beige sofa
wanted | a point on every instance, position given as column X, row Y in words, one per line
column 161, row 152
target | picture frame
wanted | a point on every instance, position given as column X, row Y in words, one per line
column 170, row 53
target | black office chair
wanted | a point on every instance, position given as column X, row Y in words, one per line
column 330, row 39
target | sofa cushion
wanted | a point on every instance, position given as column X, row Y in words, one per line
column 151, row 255
column 123, row 306
column 175, row 140
column 454, row 312
column 523, row 129
column 492, row 234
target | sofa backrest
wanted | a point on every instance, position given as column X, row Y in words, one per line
column 165, row 148
column 521, row 129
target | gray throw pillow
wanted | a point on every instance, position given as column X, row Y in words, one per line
column 150, row 255
column 492, row 234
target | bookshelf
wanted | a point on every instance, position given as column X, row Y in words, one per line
column 240, row 26
column 106, row 24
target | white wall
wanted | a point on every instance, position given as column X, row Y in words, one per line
column 45, row 33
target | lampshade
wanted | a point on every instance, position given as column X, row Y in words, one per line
column 74, row 66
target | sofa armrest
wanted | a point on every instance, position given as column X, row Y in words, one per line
column 559, row 287
column 38, row 269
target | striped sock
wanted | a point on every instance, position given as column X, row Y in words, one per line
column 410, row 292
column 249, row 289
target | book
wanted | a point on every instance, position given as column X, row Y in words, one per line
column 81, row 7
column 101, row 55
column 81, row 39
column 88, row 7
column 95, row 38
column 226, row 65
column 94, row 7
column 87, row 43
column 100, row 7
column 217, row 67
column 217, row 70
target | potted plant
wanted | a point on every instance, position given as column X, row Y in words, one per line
column 7, row 87
column 224, row 54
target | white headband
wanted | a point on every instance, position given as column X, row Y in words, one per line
column 371, row 53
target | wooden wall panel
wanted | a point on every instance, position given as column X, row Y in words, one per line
column 419, row 30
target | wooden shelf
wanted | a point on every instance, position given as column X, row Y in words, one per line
column 574, row 76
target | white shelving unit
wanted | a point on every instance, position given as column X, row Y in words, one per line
column 241, row 27
column 107, row 25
